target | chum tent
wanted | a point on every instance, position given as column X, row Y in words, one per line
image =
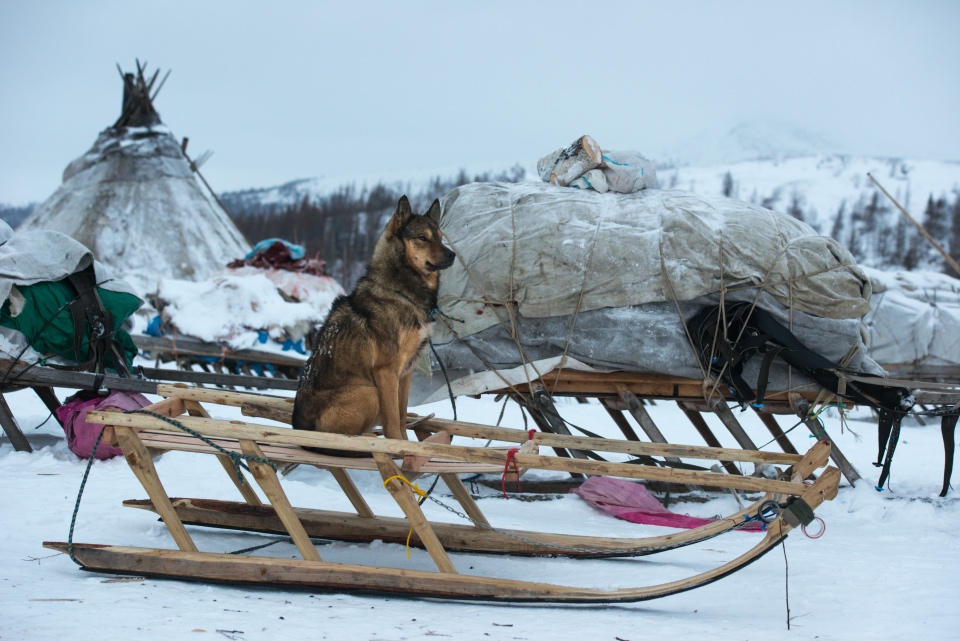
column 134, row 199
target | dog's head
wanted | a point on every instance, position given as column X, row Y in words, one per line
column 421, row 237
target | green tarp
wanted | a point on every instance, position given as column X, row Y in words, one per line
column 46, row 322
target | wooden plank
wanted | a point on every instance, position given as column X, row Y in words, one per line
column 407, row 501
column 636, row 409
column 816, row 458
column 284, row 407
column 344, row 526
column 11, row 428
column 548, row 419
column 234, row 472
column 260, row 570
column 774, row 428
column 224, row 397
column 412, row 463
column 617, row 415
column 49, row 399
column 286, row 436
column 841, row 461
column 182, row 345
column 696, row 419
column 353, row 493
column 38, row 376
column 266, row 477
column 464, row 498
column 732, row 424
column 141, row 464
column 210, row 378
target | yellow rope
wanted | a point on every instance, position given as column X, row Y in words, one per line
column 417, row 491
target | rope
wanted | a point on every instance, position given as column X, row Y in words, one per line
column 76, row 506
column 511, row 458
column 417, row 491
column 443, row 369
column 234, row 457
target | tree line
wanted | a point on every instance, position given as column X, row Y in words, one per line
column 342, row 227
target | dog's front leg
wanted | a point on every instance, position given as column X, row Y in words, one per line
column 403, row 396
column 388, row 391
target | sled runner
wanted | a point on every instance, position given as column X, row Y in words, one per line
column 182, row 423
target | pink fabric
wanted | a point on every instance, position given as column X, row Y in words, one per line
column 81, row 435
column 632, row 502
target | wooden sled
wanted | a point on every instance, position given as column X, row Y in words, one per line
column 138, row 434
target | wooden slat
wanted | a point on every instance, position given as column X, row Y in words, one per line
column 774, row 428
column 407, row 501
column 696, row 419
column 413, row 463
column 732, row 424
column 463, row 497
column 141, row 464
column 23, row 373
column 266, row 477
column 12, row 429
column 286, row 436
column 182, row 345
column 636, row 409
column 617, row 415
column 235, row 473
column 344, row 526
column 353, row 493
column 284, row 407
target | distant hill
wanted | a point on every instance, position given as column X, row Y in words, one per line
column 831, row 192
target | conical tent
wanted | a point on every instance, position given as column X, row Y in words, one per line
column 135, row 201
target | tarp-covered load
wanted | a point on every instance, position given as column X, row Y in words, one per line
column 914, row 319
column 609, row 280
column 37, row 291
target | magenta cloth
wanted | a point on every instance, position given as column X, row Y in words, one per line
column 81, row 435
column 632, row 502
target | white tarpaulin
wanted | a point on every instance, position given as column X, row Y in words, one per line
column 608, row 281
column 551, row 251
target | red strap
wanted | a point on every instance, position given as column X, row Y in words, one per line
column 511, row 458
column 530, row 434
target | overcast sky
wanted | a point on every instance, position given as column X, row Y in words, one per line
column 282, row 90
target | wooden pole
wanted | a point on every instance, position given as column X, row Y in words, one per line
column 923, row 231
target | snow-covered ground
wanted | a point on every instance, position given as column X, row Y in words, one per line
column 886, row 568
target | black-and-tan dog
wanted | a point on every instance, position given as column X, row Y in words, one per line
column 359, row 372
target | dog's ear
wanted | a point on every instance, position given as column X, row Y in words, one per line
column 401, row 217
column 434, row 212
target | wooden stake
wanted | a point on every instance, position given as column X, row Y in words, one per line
column 919, row 227
column 407, row 501
column 267, row 479
column 142, row 466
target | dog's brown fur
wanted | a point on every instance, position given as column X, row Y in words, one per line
column 359, row 372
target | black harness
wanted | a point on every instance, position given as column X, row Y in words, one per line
column 728, row 337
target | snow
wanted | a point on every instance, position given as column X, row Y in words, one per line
column 235, row 307
column 885, row 568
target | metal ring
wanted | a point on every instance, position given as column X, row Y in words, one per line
column 769, row 511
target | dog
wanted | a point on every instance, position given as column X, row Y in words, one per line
column 364, row 354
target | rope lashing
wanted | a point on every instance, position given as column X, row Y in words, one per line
column 511, row 458
column 416, row 490
column 436, row 311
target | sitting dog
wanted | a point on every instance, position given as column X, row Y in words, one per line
column 364, row 354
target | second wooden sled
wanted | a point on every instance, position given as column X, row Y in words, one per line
column 262, row 445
